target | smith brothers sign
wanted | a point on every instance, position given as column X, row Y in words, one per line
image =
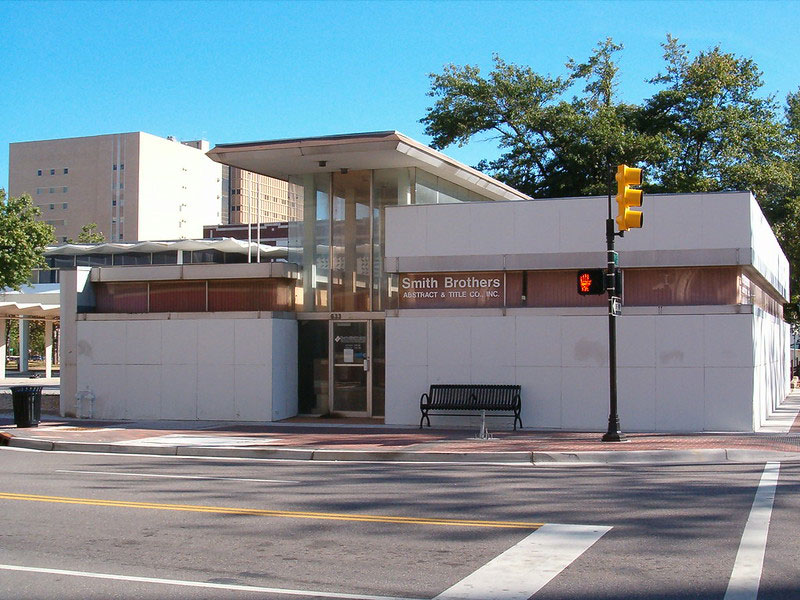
column 451, row 290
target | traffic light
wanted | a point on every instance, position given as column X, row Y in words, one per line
column 591, row 282
column 628, row 197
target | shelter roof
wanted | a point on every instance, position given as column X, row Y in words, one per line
column 39, row 300
column 228, row 245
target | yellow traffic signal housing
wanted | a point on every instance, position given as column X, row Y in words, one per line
column 628, row 197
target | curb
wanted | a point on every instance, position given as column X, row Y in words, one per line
column 617, row 457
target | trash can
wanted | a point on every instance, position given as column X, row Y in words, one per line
column 27, row 401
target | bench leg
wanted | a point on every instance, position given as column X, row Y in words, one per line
column 424, row 418
column 517, row 417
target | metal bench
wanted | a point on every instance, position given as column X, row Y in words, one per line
column 475, row 397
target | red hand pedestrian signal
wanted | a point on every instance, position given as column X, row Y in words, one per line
column 591, row 282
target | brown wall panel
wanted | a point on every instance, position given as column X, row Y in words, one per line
column 557, row 288
column 681, row 286
column 249, row 295
column 178, row 296
column 643, row 287
column 121, row 297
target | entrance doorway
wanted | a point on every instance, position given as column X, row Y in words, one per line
column 352, row 376
column 341, row 367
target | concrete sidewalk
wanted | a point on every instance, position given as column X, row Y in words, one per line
column 318, row 439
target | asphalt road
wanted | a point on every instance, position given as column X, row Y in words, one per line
column 80, row 526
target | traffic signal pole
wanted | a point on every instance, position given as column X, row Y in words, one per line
column 613, row 434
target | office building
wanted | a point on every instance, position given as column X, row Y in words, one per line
column 411, row 269
column 134, row 186
column 255, row 198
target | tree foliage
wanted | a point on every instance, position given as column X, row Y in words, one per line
column 719, row 133
column 22, row 240
column 89, row 235
column 553, row 146
column 708, row 126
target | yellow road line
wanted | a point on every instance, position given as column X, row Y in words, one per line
column 273, row 513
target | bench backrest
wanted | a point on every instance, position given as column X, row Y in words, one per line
column 478, row 397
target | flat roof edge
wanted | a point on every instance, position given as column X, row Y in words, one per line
column 304, row 140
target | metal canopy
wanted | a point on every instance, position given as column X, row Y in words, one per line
column 39, row 301
column 227, row 245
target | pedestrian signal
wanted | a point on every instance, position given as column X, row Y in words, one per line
column 591, row 282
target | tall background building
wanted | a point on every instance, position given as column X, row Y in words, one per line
column 137, row 186
column 257, row 198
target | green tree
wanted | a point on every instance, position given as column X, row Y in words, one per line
column 22, row 240
column 553, row 146
column 720, row 133
column 785, row 211
column 89, row 235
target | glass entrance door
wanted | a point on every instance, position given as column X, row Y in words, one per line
column 351, row 367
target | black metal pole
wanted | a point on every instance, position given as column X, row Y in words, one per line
column 613, row 434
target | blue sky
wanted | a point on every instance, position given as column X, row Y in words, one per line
column 245, row 71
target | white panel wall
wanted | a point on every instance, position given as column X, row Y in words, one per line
column 772, row 368
column 768, row 258
column 675, row 372
column 186, row 369
column 570, row 225
column 284, row 369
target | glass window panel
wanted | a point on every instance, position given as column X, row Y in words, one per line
column 435, row 190
column 165, row 258
column 93, row 260
column 309, row 241
column 231, row 258
column 391, row 187
column 132, row 259
column 350, row 271
column 450, row 192
column 206, row 256
column 61, row 262
column 426, row 188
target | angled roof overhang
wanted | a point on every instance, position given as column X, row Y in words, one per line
column 358, row 151
column 38, row 301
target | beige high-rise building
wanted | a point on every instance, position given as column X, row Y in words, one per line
column 257, row 198
column 135, row 186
